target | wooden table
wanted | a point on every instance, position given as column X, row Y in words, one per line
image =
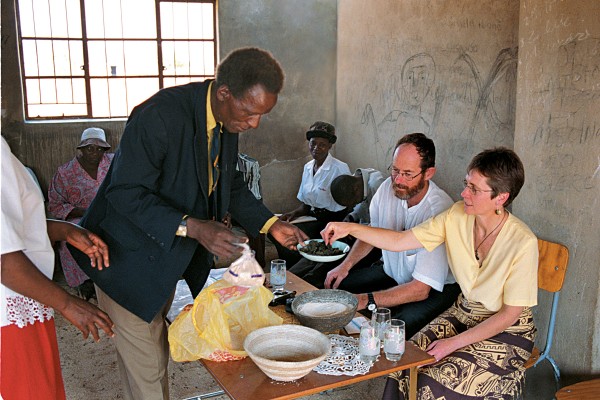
column 587, row 390
column 243, row 380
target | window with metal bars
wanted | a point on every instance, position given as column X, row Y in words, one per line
column 98, row 59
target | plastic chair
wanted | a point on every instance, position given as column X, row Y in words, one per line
column 552, row 268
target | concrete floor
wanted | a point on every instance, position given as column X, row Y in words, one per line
column 90, row 371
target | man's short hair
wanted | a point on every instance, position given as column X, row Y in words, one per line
column 345, row 192
column 424, row 146
column 503, row 169
column 247, row 67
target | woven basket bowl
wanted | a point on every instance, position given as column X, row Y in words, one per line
column 330, row 323
column 286, row 352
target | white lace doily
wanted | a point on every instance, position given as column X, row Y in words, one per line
column 344, row 358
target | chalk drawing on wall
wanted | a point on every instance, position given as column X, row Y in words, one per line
column 479, row 107
column 494, row 114
column 415, row 85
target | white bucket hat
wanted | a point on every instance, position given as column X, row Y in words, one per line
column 93, row 136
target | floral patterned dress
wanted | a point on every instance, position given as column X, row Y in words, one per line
column 73, row 187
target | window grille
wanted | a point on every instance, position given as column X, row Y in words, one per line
column 100, row 58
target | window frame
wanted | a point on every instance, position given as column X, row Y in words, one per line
column 87, row 77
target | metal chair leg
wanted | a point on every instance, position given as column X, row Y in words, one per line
column 207, row 395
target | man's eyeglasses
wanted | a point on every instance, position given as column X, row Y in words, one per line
column 473, row 190
column 405, row 175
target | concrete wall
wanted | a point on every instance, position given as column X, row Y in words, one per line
column 558, row 129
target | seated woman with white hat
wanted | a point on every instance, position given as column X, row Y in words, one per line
column 71, row 191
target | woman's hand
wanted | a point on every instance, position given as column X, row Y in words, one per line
column 90, row 244
column 335, row 230
column 86, row 317
column 441, row 348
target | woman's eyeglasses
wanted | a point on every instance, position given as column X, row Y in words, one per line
column 473, row 190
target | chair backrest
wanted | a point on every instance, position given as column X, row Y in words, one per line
column 552, row 266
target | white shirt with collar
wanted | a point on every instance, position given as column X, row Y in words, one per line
column 388, row 211
column 315, row 190
column 372, row 179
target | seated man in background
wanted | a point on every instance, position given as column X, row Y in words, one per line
column 403, row 281
column 314, row 193
column 354, row 192
column 71, row 192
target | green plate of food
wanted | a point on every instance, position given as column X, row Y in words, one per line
column 316, row 250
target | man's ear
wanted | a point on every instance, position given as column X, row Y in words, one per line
column 223, row 93
column 429, row 173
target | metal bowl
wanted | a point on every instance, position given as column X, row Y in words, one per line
column 326, row 310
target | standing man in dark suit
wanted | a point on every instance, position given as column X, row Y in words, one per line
column 172, row 180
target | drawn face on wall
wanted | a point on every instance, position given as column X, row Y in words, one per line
column 418, row 75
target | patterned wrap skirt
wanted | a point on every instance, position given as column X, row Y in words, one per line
column 490, row 369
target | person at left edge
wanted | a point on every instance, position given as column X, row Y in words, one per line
column 159, row 208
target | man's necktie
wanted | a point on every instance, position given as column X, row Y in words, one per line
column 214, row 154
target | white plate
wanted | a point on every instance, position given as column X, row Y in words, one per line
column 338, row 245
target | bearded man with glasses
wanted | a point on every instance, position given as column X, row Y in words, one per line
column 415, row 285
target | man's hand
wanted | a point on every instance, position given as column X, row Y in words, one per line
column 89, row 243
column 288, row 235
column 86, row 317
column 336, row 276
column 215, row 237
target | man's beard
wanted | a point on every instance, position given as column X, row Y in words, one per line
column 408, row 192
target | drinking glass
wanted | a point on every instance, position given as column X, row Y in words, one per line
column 278, row 275
column 381, row 319
column 393, row 342
column 369, row 344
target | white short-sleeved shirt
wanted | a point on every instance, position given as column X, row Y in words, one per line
column 372, row 179
column 508, row 274
column 23, row 227
column 388, row 211
column 315, row 190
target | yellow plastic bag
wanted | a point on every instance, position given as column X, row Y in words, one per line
column 217, row 324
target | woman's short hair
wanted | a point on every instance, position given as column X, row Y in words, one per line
column 503, row 169
column 247, row 67
column 424, row 146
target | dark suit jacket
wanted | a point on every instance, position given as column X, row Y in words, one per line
column 159, row 173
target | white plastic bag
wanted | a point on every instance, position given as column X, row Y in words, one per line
column 245, row 271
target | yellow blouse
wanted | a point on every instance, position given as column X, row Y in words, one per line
column 508, row 274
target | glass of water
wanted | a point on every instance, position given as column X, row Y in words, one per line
column 368, row 343
column 393, row 342
column 278, row 275
column 381, row 319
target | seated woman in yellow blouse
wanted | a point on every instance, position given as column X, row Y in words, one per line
column 480, row 343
